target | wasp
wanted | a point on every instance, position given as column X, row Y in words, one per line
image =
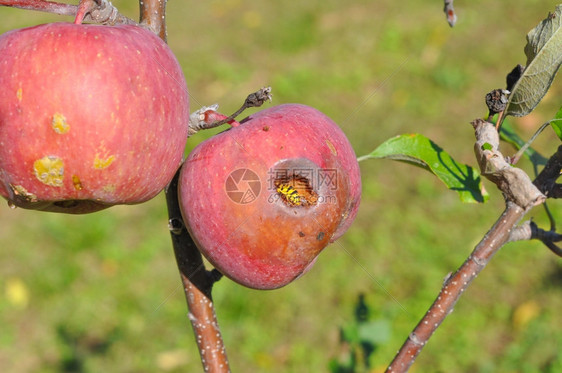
column 289, row 194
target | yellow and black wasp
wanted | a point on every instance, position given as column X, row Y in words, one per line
column 289, row 193
column 296, row 191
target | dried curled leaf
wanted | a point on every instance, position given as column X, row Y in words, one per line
column 513, row 182
column 544, row 56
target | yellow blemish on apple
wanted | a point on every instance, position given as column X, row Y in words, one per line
column 49, row 170
column 76, row 182
column 332, row 147
column 101, row 163
column 19, row 94
column 60, row 124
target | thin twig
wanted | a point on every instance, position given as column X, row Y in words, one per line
column 548, row 238
column 103, row 13
column 454, row 286
column 207, row 117
column 515, row 158
column 42, row 6
column 450, row 12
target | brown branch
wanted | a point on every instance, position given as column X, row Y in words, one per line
column 197, row 283
column 520, row 194
column 454, row 286
column 103, row 12
column 548, row 238
column 42, row 6
column 529, row 231
column 153, row 16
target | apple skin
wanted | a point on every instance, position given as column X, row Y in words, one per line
column 90, row 116
column 267, row 242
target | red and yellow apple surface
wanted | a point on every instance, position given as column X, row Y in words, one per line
column 262, row 199
column 90, row 116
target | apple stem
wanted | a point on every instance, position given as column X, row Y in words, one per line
column 207, row 117
column 85, row 7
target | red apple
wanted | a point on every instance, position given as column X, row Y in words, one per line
column 90, row 116
column 262, row 199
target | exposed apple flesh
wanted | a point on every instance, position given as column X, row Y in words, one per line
column 90, row 116
column 262, row 199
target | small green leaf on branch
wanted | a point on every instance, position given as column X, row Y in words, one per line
column 486, row 146
column 420, row 151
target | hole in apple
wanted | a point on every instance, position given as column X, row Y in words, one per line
column 294, row 183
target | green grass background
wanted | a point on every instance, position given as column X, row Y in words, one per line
column 101, row 293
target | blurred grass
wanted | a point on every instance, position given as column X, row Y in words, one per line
column 101, row 292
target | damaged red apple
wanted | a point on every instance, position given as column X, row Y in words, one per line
column 262, row 199
column 90, row 116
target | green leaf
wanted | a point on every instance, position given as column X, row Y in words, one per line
column 508, row 134
column 420, row 151
column 544, row 56
column 556, row 123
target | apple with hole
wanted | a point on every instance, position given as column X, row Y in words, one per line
column 263, row 198
column 90, row 116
